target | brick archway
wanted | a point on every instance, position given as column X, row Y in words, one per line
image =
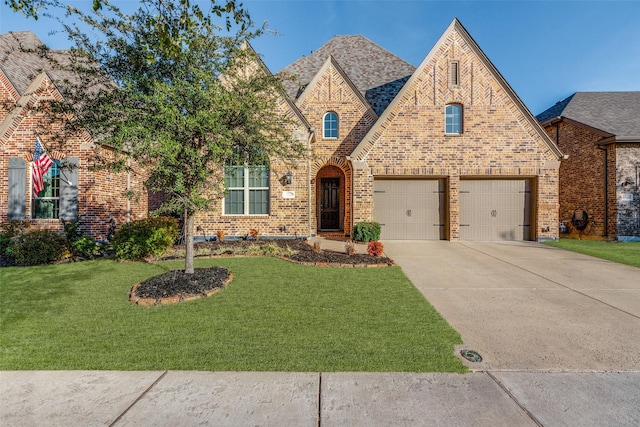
column 333, row 196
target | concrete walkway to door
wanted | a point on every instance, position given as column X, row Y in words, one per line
column 528, row 306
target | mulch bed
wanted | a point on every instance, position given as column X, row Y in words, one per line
column 176, row 286
column 304, row 252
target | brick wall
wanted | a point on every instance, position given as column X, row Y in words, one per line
column 582, row 180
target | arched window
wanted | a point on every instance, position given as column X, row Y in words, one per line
column 330, row 125
column 453, row 119
column 247, row 184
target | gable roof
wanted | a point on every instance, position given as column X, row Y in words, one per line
column 294, row 108
column 374, row 133
column 331, row 62
column 616, row 113
column 21, row 60
column 376, row 73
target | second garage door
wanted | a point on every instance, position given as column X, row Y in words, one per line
column 495, row 209
column 409, row 209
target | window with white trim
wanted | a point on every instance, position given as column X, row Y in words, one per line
column 247, row 190
column 47, row 204
column 330, row 125
column 453, row 119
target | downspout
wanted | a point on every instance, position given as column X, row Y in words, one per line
column 606, row 188
column 312, row 132
column 128, row 190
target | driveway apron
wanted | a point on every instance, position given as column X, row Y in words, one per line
column 528, row 306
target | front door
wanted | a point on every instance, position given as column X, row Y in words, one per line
column 330, row 204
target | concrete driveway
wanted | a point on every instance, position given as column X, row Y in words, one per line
column 528, row 306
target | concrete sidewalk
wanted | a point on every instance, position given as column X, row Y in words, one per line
column 186, row 398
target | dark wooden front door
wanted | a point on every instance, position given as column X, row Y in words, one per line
column 330, row 204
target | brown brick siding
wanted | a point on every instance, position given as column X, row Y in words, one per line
column 582, row 180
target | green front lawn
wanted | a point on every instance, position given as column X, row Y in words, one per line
column 624, row 253
column 274, row 316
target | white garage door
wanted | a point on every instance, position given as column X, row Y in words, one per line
column 409, row 209
column 495, row 209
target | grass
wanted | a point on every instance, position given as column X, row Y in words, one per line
column 624, row 253
column 274, row 316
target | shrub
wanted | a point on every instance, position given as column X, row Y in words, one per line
column 9, row 230
column 145, row 237
column 220, row 235
column 38, row 247
column 85, row 247
column 80, row 245
column 375, row 248
column 366, row 231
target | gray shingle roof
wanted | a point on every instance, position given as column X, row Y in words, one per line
column 21, row 59
column 377, row 73
column 617, row 113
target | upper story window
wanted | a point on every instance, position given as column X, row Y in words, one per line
column 453, row 119
column 47, row 204
column 247, row 188
column 330, row 125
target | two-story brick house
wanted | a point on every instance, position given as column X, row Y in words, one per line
column 443, row 151
column 71, row 190
column 600, row 133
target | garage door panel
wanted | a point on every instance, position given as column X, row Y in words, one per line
column 494, row 209
column 409, row 209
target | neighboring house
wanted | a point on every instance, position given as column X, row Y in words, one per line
column 600, row 133
column 71, row 189
column 443, row 151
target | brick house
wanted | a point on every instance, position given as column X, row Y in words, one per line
column 600, row 132
column 71, row 190
column 446, row 150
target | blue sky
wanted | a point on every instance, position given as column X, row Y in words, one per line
column 546, row 50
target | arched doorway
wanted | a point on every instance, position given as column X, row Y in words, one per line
column 330, row 199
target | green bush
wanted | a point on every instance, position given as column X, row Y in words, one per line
column 366, row 231
column 8, row 231
column 38, row 247
column 80, row 245
column 85, row 247
column 145, row 237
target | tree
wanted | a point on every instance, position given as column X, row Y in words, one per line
column 232, row 11
column 169, row 91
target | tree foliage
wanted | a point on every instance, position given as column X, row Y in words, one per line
column 172, row 92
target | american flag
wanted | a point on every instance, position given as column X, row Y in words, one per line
column 41, row 164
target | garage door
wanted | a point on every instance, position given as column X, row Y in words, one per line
column 409, row 209
column 495, row 209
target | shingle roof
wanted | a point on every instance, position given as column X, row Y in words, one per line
column 377, row 73
column 617, row 113
column 21, row 59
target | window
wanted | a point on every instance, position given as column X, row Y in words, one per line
column 47, row 205
column 330, row 125
column 453, row 119
column 247, row 190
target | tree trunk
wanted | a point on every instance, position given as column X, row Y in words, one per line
column 189, row 220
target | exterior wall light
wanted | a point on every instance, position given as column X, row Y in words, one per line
column 287, row 178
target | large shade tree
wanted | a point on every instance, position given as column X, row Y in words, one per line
column 168, row 90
